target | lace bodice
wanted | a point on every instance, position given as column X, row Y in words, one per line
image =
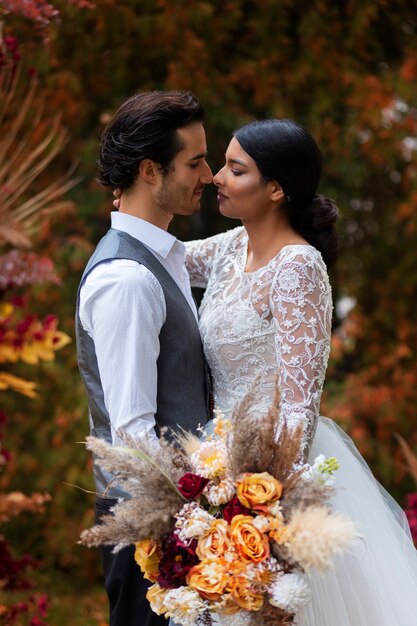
column 274, row 321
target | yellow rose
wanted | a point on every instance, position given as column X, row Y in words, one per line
column 244, row 596
column 215, row 540
column 155, row 596
column 209, row 578
column 147, row 556
column 250, row 543
column 258, row 489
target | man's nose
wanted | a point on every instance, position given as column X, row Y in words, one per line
column 207, row 176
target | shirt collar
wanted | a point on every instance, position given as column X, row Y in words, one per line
column 155, row 238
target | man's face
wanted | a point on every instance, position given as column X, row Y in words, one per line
column 181, row 189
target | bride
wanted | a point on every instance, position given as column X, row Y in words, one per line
column 267, row 308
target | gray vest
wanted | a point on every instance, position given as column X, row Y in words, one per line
column 182, row 393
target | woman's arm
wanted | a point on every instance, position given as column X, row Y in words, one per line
column 302, row 308
column 200, row 255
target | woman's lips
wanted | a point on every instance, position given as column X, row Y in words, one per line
column 221, row 197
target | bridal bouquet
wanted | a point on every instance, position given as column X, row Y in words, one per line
column 229, row 524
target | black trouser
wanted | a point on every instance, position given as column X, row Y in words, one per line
column 124, row 582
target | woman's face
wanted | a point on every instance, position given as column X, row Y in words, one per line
column 242, row 194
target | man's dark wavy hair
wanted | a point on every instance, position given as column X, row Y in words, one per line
column 145, row 127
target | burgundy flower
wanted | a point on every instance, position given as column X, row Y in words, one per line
column 191, row 485
column 234, row 507
column 177, row 559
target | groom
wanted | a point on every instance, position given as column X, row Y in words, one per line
column 138, row 343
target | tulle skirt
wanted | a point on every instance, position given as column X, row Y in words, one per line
column 375, row 582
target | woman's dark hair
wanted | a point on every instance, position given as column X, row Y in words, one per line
column 145, row 127
column 286, row 152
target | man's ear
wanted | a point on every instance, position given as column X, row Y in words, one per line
column 149, row 171
column 276, row 191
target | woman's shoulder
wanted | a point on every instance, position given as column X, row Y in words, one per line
column 303, row 254
column 234, row 238
column 300, row 266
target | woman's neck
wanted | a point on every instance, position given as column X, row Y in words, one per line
column 266, row 237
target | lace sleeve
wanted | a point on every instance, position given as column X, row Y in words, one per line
column 200, row 255
column 302, row 308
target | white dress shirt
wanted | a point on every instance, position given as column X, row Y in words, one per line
column 122, row 308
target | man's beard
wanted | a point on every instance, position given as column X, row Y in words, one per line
column 176, row 199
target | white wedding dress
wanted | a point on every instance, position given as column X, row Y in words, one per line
column 278, row 320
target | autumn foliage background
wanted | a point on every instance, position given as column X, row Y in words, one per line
column 348, row 72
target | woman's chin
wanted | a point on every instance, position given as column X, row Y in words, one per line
column 223, row 210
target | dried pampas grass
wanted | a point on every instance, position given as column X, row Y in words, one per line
column 286, row 454
column 150, row 476
column 316, row 535
column 253, row 444
column 251, row 439
column 188, row 442
column 132, row 521
column 302, row 494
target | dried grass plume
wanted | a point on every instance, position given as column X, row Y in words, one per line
column 316, row 535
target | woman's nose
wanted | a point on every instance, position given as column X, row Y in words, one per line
column 218, row 178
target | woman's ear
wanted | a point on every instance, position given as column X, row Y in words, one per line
column 149, row 171
column 277, row 193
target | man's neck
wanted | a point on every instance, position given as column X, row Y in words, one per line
column 145, row 210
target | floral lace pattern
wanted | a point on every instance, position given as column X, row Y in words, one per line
column 273, row 322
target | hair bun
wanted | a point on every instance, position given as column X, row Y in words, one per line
column 321, row 212
column 315, row 221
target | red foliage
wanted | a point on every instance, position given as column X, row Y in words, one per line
column 411, row 513
column 41, row 11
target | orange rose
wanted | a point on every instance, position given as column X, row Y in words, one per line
column 258, row 489
column 244, row 596
column 215, row 541
column 147, row 556
column 250, row 543
column 209, row 578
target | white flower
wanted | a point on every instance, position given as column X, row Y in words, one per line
column 184, row 605
column 290, row 592
column 210, row 460
column 220, row 492
column 192, row 521
column 261, row 523
column 322, row 471
column 275, row 509
column 260, row 574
